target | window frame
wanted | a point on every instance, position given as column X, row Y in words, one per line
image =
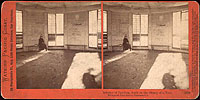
column 99, row 33
column 105, row 33
column 91, row 33
column 55, row 34
column 22, row 35
column 181, row 19
column 140, row 32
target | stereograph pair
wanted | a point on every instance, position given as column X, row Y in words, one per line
column 61, row 45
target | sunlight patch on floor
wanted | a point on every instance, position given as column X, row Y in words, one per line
column 80, row 65
column 167, row 63
column 117, row 57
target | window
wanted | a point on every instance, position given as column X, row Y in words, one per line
column 105, row 31
column 180, row 29
column 19, row 33
column 55, row 30
column 140, row 30
column 184, row 35
column 95, row 28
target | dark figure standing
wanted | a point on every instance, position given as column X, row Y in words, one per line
column 126, row 44
column 42, row 45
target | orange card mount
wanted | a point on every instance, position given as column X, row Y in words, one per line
column 76, row 23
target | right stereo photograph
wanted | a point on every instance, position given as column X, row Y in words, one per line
column 145, row 45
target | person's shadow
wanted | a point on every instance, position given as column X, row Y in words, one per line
column 89, row 80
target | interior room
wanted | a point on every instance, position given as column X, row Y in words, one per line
column 70, row 33
column 157, row 34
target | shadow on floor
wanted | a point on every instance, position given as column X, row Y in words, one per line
column 89, row 81
column 168, row 81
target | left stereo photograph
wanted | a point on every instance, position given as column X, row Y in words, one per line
column 58, row 45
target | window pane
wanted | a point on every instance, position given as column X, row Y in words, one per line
column 176, row 42
column 19, row 33
column 144, row 41
column 51, row 40
column 99, row 20
column 19, row 41
column 92, row 41
column 93, row 22
column 136, row 24
column 18, row 21
column 105, row 41
column 136, row 40
column 176, row 23
column 104, row 45
column 18, row 46
column 99, row 41
column 51, row 43
column 184, row 31
column 59, row 41
column 17, row 11
column 51, row 23
column 144, row 24
column 104, row 21
column 184, row 15
column 176, row 29
column 99, row 14
column 59, row 23
column 99, row 25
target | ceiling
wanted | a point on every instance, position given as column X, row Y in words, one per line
column 58, row 4
column 155, row 4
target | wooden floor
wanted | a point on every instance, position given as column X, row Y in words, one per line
column 47, row 72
